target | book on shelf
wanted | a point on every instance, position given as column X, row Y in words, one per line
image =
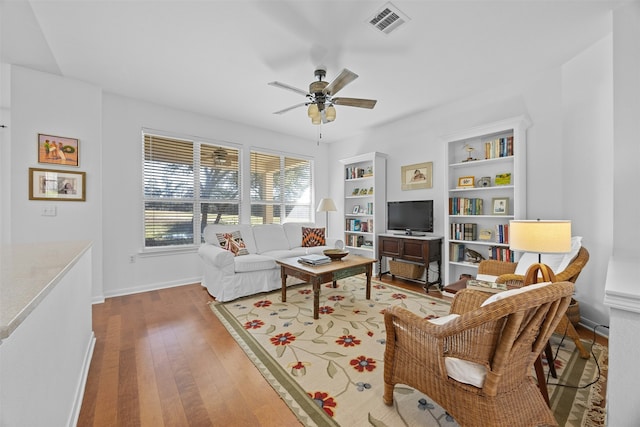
column 463, row 231
column 465, row 206
column 501, row 254
column 456, row 252
column 502, row 233
column 498, row 147
column 485, row 286
column 314, row 259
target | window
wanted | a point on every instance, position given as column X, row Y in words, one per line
column 280, row 189
column 178, row 202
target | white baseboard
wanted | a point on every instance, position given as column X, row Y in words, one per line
column 86, row 364
column 151, row 287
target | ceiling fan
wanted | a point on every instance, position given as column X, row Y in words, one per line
column 320, row 98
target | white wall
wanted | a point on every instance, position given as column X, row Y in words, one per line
column 123, row 120
column 45, row 103
column 570, row 108
column 587, row 186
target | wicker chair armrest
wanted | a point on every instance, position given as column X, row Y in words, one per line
column 511, row 280
column 496, row 268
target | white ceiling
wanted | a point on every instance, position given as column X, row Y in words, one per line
column 216, row 57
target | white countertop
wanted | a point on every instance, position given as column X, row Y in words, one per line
column 621, row 288
column 28, row 273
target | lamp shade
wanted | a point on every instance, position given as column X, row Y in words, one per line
column 543, row 237
column 326, row 205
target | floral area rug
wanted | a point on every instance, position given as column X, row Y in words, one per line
column 329, row 371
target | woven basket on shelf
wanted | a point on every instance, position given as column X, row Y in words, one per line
column 573, row 312
column 406, row 269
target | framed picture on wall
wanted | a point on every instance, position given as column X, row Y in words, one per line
column 416, row 176
column 58, row 150
column 58, row 185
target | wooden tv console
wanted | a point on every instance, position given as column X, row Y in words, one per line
column 420, row 249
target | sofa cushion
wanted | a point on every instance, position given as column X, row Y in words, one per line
column 270, row 237
column 293, row 231
column 254, row 262
column 211, row 231
column 233, row 242
column 313, row 237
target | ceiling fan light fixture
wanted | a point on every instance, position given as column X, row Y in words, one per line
column 316, row 120
column 313, row 111
column 331, row 113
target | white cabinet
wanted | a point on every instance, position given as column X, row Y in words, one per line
column 486, row 188
column 364, row 202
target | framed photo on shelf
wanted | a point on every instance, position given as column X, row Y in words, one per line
column 58, row 185
column 58, row 150
column 500, row 206
column 418, row 175
column 466, row 181
column 355, row 191
column 356, row 209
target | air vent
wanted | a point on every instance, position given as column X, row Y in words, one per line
column 388, row 19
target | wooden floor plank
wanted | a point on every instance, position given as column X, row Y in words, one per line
column 162, row 358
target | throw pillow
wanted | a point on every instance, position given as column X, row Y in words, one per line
column 313, row 237
column 233, row 243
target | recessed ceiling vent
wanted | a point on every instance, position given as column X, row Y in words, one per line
column 388, row 19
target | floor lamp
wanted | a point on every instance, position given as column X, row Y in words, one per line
column 326, row 206
column 543, row 237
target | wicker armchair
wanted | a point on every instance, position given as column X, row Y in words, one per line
column 505, row 272
column 505, row 337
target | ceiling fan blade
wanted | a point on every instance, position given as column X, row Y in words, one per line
column 345, row 77
column 288, row 87
column 290, row 108
column 355, row 102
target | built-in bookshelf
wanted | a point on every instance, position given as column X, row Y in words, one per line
column 364, row 202
column 486, row 188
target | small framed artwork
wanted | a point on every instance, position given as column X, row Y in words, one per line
column 503, row 178
column 356, row 209
column 416, row 176
column 58, row 150
column 58, row 185
column 466, row 181
column 355, row 191
column 500, row 206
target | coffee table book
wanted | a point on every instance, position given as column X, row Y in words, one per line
column 483, row 285
column 315, row 259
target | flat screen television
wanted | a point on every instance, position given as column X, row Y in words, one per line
column 410, row 217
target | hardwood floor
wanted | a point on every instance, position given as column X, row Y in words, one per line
column 162, row 358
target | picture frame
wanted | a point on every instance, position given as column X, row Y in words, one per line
column 58, row 150
column 58, row 185
column 500, row 206
column 356, row 209
column 417, row 176
column 466, row 181
column 355, row 191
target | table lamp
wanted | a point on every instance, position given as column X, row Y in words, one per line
column 326, row 205
column 543, row 237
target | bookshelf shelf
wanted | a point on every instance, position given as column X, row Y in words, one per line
column 505, row 143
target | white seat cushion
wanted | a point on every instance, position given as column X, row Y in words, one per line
column 460, row 370
column 556, row 262
column 254, row 262
column 511, row 292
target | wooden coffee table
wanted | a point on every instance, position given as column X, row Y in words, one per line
column 331, row 272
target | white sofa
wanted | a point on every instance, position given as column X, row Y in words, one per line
column 228, row 277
